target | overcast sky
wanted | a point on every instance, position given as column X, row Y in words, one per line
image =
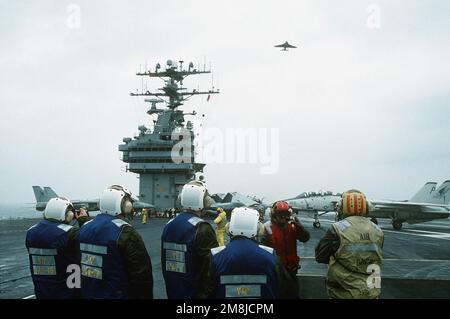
column 355, row 105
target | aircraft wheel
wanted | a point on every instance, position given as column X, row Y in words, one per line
column 397, row 224
column 316, row 224
column 374, row 220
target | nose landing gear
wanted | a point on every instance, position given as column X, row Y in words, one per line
column 316, row 223
column 397, row 224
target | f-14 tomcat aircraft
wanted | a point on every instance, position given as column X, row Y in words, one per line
column 44, row 195
column 429, row 203
column 315, row 204
column 231, row 200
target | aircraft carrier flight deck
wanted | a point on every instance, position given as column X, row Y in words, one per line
column 416, row 259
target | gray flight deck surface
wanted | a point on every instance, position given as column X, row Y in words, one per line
column 417, row 259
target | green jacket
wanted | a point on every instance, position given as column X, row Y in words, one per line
column 352, row 248
column 205, row 239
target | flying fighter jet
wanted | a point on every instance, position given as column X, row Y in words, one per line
column 285, row 46
column 427, row 204
column 44, row 195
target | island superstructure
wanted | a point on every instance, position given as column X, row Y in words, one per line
column 164, row 155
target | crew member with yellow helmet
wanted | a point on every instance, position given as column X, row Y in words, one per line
column 144, row 215
column 352, row 248
column 220, row 221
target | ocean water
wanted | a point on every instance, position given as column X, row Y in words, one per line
column 18, row 211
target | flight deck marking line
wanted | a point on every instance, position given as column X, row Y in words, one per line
column 426, row 232
column 400, row 259
column 14, row 279
column 420, row 235
column 434, row 225
column 430, row 232
column 383, row 277
column 29, row 297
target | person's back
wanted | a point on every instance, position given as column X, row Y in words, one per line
column 186, row 242
column 102, row 265
column 358, row 255
column 49, row 258
column 352, row 248
column 52, row 246
column 178, row 258
column 114, row 261
column 244, row 269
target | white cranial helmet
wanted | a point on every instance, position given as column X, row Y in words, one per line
column 60, row 209
column 244, row 222
column 116, row 200
column 194, row 196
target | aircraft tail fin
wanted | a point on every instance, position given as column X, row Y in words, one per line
column 39, row 194
column 43, row 195
column 50, row 193
column 442, row 194
column 424, row 193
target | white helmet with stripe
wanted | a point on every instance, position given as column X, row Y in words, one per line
column 60, row 209
column 194, row 196
column 244, row 222
column 116, row 200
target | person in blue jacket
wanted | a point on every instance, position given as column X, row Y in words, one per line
column 245, row 269
column 52, row 246
column 114, row 261
column 186, row 244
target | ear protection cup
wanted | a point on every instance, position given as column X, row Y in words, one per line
column 69, row 215
column 207, row 200
column 368, row 207
column 127, row 206
column 261, row 229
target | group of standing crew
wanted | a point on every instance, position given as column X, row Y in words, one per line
column 260, row 260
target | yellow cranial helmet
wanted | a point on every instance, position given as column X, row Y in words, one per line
column 353, row 203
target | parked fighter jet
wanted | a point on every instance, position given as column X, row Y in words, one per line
column 312, row 203
column 427, row 204
column 44, row 195
column 229, row 201
column 285, row 46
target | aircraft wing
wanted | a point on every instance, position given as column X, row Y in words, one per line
column 408, row 205
column 285, row 45
column 138, row 205
column 424, row 208
column 228, row 207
